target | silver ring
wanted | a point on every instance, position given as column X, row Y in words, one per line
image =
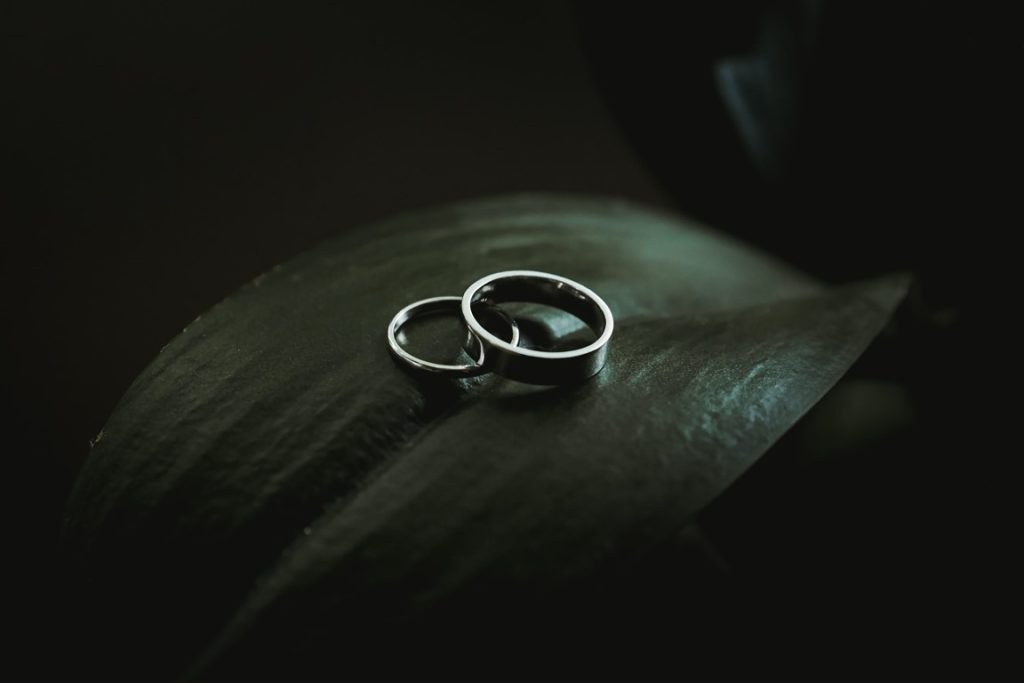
column 532, row 365
column 476, row 350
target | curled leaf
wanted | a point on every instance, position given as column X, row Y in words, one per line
column 274, row 478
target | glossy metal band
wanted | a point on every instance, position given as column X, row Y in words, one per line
column 532, row 365
column 476, row 350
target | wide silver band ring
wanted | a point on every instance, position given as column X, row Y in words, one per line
column 476, row 350
column 535, row 366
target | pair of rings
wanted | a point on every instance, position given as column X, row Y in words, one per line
column 491, row 353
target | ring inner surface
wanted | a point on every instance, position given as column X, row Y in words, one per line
column 547, row 292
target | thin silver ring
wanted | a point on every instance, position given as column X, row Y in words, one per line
column 535, row 366
column 437, row 304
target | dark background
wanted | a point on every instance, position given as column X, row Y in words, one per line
column 158, row 155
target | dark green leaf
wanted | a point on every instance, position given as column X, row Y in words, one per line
column 274, row 477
